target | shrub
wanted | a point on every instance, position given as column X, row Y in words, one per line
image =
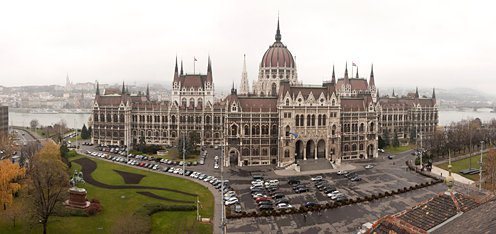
column 93, row 209
column 150, row 209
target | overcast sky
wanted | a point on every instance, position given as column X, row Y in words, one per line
column 439, row 44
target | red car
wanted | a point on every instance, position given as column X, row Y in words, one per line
column 263, row 199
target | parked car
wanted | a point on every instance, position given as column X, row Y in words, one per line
column 278, row 196
column 284, row 206
column 265, row 207
column 356, row 178
column 390, row 156
column 293, row 181
column 302, row 190
column 310, row 204
column 317, row 178
column 369, row 166
column 380, row 150
column 232, row 200
column 282, row 200
column 342, row 172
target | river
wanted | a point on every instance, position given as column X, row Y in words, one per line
column 78, row 119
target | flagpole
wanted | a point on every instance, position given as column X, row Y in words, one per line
column 194, row 62
column 352, row 68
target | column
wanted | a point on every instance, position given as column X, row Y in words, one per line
column 304, row 152
column 315, row 151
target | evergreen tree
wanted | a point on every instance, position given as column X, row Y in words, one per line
column 84, row 132
column 385, row 136
column 90, row 132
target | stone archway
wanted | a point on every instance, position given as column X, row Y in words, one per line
column 298, row 150
column 370, row 151
column 233, row 157
column 321, row 149
column 310, row 149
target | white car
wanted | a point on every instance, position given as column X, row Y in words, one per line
column 231, row 200
column 216, row 166
column 380, row 150
column 333, row 193
column 317, row 178
column 255, row 186
column 284, row 206
column 336, row 195
column 369, row 166
column 230, row 193
column 341, row 172
column 257, row 182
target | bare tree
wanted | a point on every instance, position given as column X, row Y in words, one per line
column 7, row 145
column 48, row 182
column 490, row 169
column 34, row 123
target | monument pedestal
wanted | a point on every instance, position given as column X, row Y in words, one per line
column 77, row 198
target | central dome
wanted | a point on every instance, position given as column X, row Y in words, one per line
column 278, row 54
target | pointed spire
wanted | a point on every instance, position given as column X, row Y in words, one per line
column 416, row 92
column 393, row 94
column 433, row 93
column 244, row 88
column 372, row 80
column 209, row 67
column 97, row 88
column 123, row 90
column 181, row 67
column 175, row 69
column 233, row 90
column 357, row 73
column 333, row 75
column 346, row 74
column 278, row 32
column 148, row 91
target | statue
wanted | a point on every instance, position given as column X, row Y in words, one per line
column 77, row 195
column 76, row 179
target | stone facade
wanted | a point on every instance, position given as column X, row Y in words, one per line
column 279, row 122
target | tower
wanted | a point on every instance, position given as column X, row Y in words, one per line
column 244, row 89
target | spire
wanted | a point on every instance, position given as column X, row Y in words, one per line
column 393, row 93
column 181, row 67
column 278, row 32
column 233, row 90
column 357, row 72
column 209, row 67
column 346, row 74
column 148, row 91
column 123, row 88
column 244, row 89
column 433, row 93
column 97, row 88
column 372, row 81
column 175, row 70
column 416, row 92
column 333, row 75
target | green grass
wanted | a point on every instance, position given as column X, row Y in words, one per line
column 172, row 154
column 121, row 201
column 459, row 165
column 395, row 150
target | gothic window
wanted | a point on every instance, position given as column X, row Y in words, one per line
column 346, row 148
column 309, row 120
column 247, row 130
column 287, row 130
column 265, row 130
column 372, row 126
column 274, row 87
column 313, row 120
column 173, row 119
column 319, row 122
column 302, row 120
column 200, row 102
column 333, row 129
column 333, row 102
column 287, row 102
column 234, row 130
column 362, row 127
column 184, row 102
column 286, row 153
column 264, row 152
column 353, row 147
column 361, row 147
column 192, row 102
column 207, row 119
column 324, row 120
column 274, row 129
column 297, row 120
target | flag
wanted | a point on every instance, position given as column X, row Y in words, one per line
column 353, row 64
column 195, row 59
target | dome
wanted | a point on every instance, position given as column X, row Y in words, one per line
column 278, row 54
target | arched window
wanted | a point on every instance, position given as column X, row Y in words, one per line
column 192, row 102
column 309, row 120
column 302, row 120
column 274, row 130
column 122, row 118
column 361, row 147
column 353, row 147
column 297, row 120
column 362, row 128
column 287, row 102
column 234, row 130
column 185, row 102
column 274, row 88
column 319, row 120
column 324, row 120
column 313, row 120
column 286, row 153
column 346, row 148
column 372, row 126
column 95, row 117
column 288, row 129
column 200, row 102
column 333, row 129
column 207, row 119
column 173, row 119
column 247, row 130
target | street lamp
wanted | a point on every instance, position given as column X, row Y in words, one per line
column 222, row 222
column 480, row 167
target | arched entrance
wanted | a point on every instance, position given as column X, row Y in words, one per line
column 233, row 157
column 310, row 149
column 321, row 150
column 370, row 151
column 299, row 150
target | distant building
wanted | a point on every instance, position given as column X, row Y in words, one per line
column 281, row 120
column 4, row 120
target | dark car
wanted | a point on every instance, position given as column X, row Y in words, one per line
column 310, row 204
column 390, row 156
column 265, row 207
column 265, row 203
column 340, row 198
column 329, row 190
column 278, row 196
column 356, row 178
column 302, row 190
column 299, row 186
column 282, row 200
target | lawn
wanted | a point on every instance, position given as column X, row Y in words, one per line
column 172, row 154
column 116, row 202
column 459, row 165
column 395, row 150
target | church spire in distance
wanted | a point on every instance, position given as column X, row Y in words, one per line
column 372, row 81
column 433, row 93
column 244, row 89
column 333, row 77
column 97, row 88
column 181, row 67
column 278, row 32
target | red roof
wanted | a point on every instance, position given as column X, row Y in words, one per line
column 278, row 55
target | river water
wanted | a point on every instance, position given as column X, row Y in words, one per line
column 78, row 119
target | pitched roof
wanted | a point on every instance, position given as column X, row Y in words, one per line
column 356, row 84
column 427, row 214
column 258, row 104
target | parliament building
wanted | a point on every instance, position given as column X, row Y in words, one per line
column 279, row 121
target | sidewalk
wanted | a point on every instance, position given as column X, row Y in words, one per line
column 292, row 172
column 458, row 178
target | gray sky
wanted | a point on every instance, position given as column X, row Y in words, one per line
column 426, row 43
